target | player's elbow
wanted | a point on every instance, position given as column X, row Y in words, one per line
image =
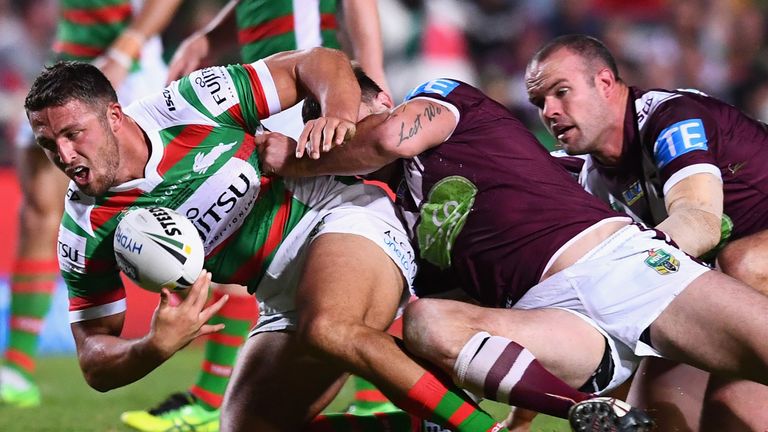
column 708, row 229
column 94, row 371
column 96, row 382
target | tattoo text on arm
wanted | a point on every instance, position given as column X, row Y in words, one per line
column 431, row 111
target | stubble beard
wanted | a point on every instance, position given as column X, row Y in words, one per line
column 104, row 180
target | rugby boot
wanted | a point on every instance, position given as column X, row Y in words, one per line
column 605, row 414
column 179, row 412
column 17, row 391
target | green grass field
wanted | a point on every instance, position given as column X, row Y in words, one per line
column 70, row 405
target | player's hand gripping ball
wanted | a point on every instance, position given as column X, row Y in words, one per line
column 158, row 248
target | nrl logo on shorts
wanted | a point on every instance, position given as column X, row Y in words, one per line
column 662, row 261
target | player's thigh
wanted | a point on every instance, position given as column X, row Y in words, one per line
column 277, row 385
column 349, row 278
column 717, row 324
column 42, row 184
column 43, row 187
column 565, row 343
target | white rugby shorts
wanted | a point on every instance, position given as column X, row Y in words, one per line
column 620, row 287
column 359, row 209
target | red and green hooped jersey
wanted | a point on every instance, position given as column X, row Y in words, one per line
column 203, row 163
column 267, row 27
column 87, row 27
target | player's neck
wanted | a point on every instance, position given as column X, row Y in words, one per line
column 135, row 149
column 611, row 150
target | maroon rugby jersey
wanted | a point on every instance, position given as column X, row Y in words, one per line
column 489, row 207
column 684, row 133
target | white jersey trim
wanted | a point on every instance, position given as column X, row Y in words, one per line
column 575, row 238
column 451, row 107
column 689, row 171
column 98, row 311
column 647, row 104
column 268, row 85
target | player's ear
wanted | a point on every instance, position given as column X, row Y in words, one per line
column 605, row 80
column 385, row 99
column 115, row 116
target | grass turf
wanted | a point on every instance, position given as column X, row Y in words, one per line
column 70, row 405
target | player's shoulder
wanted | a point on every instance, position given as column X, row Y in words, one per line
column 661, row 105
column 442, row 88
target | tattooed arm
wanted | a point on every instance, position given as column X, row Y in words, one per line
column 403, row 132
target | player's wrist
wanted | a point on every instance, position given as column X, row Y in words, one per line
column 126, row 48
column 157, row 348
column 119, row 57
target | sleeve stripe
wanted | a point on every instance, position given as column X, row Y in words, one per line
column 689, row 171
column 267, row 86
column 97, row 311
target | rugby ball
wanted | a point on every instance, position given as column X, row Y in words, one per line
column 157, row 247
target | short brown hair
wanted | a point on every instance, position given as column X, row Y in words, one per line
column 587, row 47
column 69, row 80
column 368, row 88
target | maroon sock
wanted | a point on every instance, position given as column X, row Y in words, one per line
column 502, row 370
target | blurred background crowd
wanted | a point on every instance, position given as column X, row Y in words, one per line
column 716, row 46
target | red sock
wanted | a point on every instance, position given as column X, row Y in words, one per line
column 433, row 400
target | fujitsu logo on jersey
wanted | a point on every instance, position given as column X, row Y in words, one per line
column 71, row 251
column 215, row 89
column 220, row 205
column 203, row 219
column 209, row 79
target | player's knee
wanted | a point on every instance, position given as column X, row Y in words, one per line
column 420, row 329
column 323, row 333
column 744, row 263
column 43, row 221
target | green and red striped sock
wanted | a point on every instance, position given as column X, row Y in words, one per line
column 237, row 314
column 447, row 405
column 32, row 286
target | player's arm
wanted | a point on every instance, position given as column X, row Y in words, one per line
column 362, row 25
column 192, row 50
column 109, row 361
column 152, row 19
column 325, row 74
column 695, row 208
column 404, row 132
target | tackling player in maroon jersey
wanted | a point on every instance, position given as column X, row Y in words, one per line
column 689, row 164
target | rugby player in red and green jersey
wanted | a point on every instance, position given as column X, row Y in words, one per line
column 327, row 257
column 120, row 37
column 692, row 166
column 264, row 27
column 561, row 278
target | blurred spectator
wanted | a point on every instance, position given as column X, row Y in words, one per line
column 424, row 39
column 26, row 30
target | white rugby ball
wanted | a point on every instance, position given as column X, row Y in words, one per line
column 157, row 248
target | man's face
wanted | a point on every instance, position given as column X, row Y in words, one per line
column 570, row 104
column 77, row 138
